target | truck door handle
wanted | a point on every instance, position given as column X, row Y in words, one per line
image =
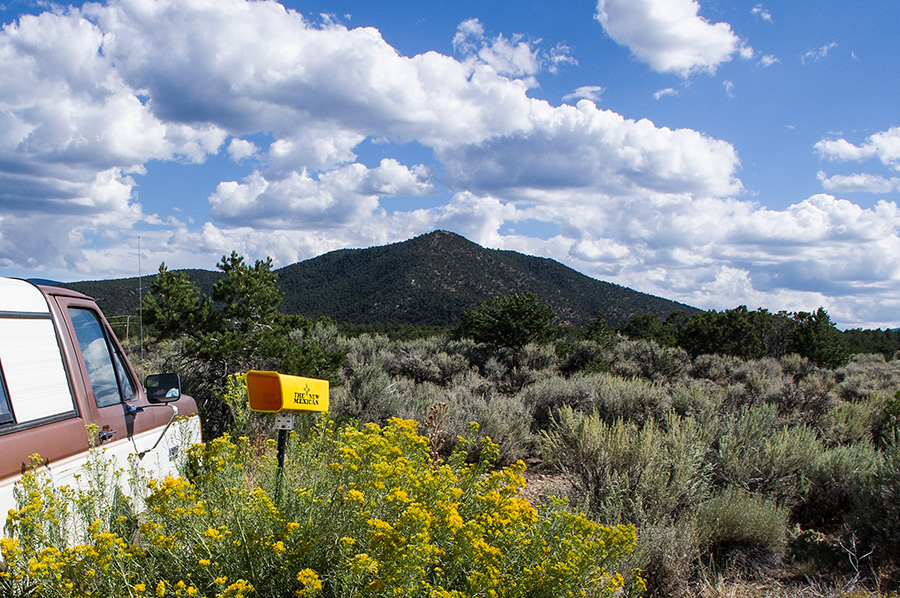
column 105, row 435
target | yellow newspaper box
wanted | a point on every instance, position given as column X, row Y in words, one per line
column 271, row 392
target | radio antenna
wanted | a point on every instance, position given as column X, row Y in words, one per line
column 140, row 302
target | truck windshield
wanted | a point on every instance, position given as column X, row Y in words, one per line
column 107, row 375
column 6, row 415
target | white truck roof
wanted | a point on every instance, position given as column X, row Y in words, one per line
column 30, row 355
column 21, row 297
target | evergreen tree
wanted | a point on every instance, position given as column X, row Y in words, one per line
column 643, row 327
column 816, row 338
column 738, row 332
column 598, row 330
column 173, row 307
column 511, row 321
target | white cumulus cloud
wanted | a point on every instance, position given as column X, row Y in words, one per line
column 587, row 92
column 241, row 149
column 514, row 57
column 819, row 53
column 346, row 196
column 760, row 12
column 584, row 148
column 859, row 182
column 92, row 97
column 884, row 145
column 669, row 35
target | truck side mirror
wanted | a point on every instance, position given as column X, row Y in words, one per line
column 163, row 388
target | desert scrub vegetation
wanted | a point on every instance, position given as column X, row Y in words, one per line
column 740, row 445
column 357, row 510
column 768, row 468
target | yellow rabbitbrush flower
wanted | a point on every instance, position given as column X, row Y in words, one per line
column 213, row 534
column 239, row 589
column 458, row 527
column 356, row 511
column 310, row 582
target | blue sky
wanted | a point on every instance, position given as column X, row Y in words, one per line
column 715, row 153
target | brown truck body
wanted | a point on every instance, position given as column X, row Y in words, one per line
column 62, row 373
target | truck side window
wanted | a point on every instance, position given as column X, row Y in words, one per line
column 6, row 415
column 107, row 375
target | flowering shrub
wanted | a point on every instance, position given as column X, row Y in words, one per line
column 354, row 511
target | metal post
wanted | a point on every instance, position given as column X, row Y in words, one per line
column 285, row 423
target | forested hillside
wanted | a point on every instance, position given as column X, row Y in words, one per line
column 119, row 297
column 426, row 281
column 432, row 279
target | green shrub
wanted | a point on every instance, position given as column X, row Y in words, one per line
column 653, row 478
column 416, row 366
column 476, row 354
column 756, row 455
column 867, row 358
column 858, row 386
column 887, row 424
column 837, row 480
column 512, row 370
column 733, row 519
column 547, row 395
column 324, row 333
column 802, row 400
column 425, row 360
column 611, row 397
column 628, row 474
column 867, row 376
column 696, row 397
column 584, row 355
column 798, row 366
column 503, row 419
column 647, row 359
column 506, row 376
column 366, row 349
column 538, row 358
column 753, row 381
column 715, row 367
column 369, row 395
column 151, row 356
column 666, row 554
column 632, row 400
column 876, row 514
column 243, row 421
column 849, row 423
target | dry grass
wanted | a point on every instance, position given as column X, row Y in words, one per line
column 720, row 587
column 710, row 584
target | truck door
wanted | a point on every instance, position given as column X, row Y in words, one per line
column 5, row 411
column 109, row 382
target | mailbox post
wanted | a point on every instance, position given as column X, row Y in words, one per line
column 285, row 396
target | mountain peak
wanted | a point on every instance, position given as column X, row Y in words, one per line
column 428, row 280
column 433, row 278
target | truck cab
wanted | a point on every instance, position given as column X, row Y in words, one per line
column 64, row 374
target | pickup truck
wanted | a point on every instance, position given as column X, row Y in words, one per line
column 63, row 373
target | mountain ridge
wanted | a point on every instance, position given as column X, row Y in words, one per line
column 429, row 280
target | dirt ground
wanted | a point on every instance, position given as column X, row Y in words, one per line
column 543, row 482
